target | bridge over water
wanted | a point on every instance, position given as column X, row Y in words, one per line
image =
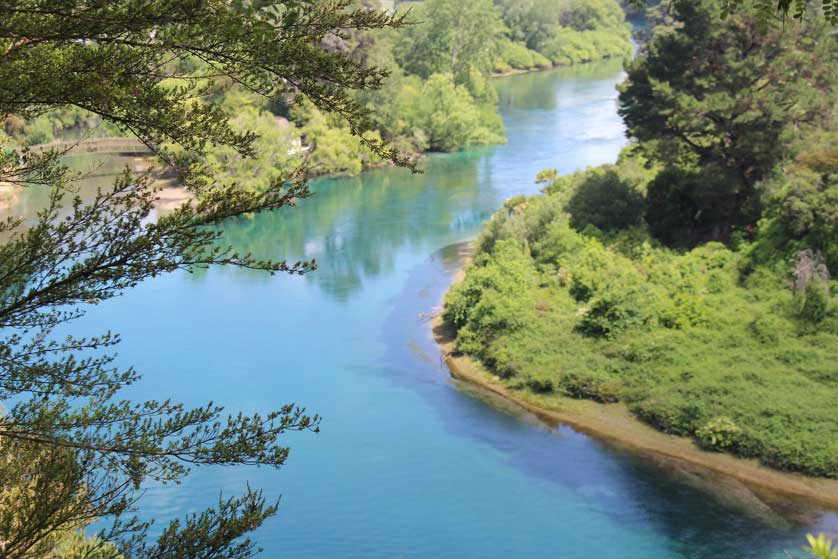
column 118, row 146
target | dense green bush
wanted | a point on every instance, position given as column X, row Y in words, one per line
column 591, row 387
column 611, row 312
column 685, row 207
column 568, row 31
column 448, row 114
column 720, row 433
column 569, row 46
column 816, row 302
column 711, row 342
column 606, row 201
column 518, row 57
column 804, row 207
column 691, row 280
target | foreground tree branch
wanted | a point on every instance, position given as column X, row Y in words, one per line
column 71, row 450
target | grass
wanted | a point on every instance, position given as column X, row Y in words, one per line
column 702, row 343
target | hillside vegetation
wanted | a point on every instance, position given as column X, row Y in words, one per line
column 562, row 32
column 437, row 97
column 691, row 279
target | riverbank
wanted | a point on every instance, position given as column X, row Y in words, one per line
column 615, row 423
column 519, row 71
column 8, row 195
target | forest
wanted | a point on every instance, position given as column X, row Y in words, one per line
column 436, row 96
column 691, row 279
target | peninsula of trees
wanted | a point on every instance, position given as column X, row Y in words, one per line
column 690, row 281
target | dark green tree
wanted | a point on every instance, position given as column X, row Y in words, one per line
column 71, row 448
column 718, row 100
column 769, row 11
column 607, row 201
column 531, row 22
column 451, row 36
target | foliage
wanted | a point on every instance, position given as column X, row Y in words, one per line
column 687, row 207
column 452, row 37
column 59, row 124
column 278, row 144
column 73, row 449
column 448, row 115
column 546, row 175
column 720, row 103
column 570, row 46
column 517, row 56
column 720, row 433
column 606, row 201
column 817, row 301
column 733, row 344
column 821, row 547
column 691, row 344
column 802, row 202
column 74, row 545
column 464, row 40
column 437, row 111
column 334, row 147
column 413, row 111
column 568, row 31
column 768, row 12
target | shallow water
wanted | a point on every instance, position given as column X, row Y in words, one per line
column 409, row 464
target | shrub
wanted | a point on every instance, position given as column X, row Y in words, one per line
column 665, row 415
column 40, row 131
column 687, row 339
column 461, row 300
column 541, row 384
column 546, row 175
column 768, row 329
column 587, row 386
column 606, row 201
column 610, row 312
column 720, row 433
column 516, row 55
column 685, row 208
column 504, row 364
column 816, row 302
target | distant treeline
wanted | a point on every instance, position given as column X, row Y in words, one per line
column 437, row 98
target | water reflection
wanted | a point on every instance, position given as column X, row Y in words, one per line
column 546, row 91
column 96, row 172
column 355, row 226
column 698, row 513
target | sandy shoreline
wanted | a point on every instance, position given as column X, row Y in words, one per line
column 519, row 71
column 615, row 423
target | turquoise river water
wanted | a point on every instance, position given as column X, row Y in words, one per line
column 409, row 464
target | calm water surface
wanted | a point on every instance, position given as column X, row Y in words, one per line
column 409, row 464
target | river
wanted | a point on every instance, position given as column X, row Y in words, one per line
column 409, row 463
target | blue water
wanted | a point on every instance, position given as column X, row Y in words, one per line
column 409, row 463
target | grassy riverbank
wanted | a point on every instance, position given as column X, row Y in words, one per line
column 615, row 422
column 690, row 282
column 707, row 343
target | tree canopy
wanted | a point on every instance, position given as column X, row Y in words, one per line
column 719, row 104
column 73, row 449
column 452, row 37
column 771, row 10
